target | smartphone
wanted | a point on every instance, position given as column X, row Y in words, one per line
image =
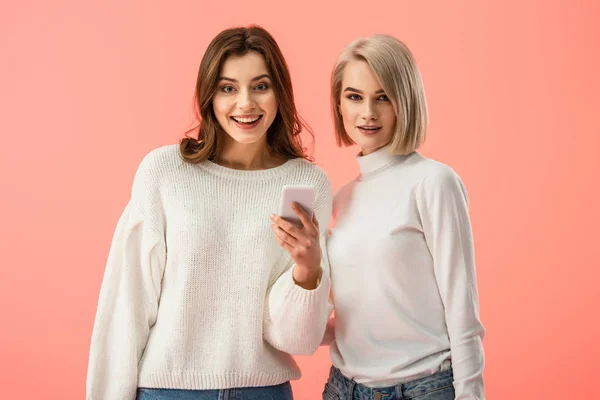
column 303, row 195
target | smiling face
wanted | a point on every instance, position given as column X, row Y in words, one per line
column 245, row 103
column 368, row 114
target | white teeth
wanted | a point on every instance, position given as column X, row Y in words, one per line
column 369, row 128
column 246, row 120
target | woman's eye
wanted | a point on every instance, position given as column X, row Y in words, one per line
column 353, row 97
column 383, row 98
column 227, row 89
column 262, row 86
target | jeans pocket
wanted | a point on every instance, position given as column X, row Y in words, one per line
column 442, row 393
column 331, row 393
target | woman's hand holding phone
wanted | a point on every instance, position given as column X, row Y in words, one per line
column 302, row 243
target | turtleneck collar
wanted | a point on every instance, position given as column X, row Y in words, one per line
column 377, row 161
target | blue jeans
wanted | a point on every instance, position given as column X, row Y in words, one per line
column 278, row 392
column 434, row 387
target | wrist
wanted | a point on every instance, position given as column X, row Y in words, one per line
column 307, row 278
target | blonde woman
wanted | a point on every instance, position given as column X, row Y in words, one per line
column 401, row 252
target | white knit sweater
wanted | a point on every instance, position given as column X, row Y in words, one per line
column 197, row 293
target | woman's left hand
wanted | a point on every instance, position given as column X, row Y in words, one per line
column 302, row 243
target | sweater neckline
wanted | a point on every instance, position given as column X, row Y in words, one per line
column 250, row 175
column 378, row 161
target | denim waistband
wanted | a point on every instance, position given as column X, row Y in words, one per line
column 410, row 389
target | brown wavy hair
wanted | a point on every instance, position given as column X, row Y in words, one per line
column 283, row 136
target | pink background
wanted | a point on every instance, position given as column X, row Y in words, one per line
column 87, row 88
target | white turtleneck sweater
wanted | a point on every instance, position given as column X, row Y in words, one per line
column 403, row 276
column 197, row 293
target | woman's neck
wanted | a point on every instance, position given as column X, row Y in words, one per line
column 247, row 156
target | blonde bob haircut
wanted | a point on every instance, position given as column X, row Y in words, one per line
column 397, row 72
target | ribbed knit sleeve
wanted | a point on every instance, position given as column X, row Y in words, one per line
column 295, row 318
column 130, row 292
